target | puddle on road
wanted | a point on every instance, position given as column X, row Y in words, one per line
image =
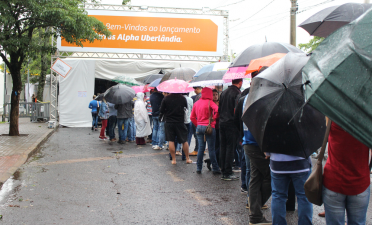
column 10, row 189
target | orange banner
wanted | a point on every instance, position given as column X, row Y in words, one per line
column 156, row 33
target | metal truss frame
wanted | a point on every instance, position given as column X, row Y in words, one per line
column 137, row 56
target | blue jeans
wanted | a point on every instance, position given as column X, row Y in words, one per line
column 237, row 155
column 95, row 119
column 280, row 184
column 112, row 121
column 247, row 171
column 123, row 130
column 211, row 139
column 158, row 135
column 356, row 207
column 131, row 129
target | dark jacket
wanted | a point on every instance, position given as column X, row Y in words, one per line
column 155, row 99
column 239, row 113
column 228, row 100
column 124, row 110
column 195, row 98
column 173, row 108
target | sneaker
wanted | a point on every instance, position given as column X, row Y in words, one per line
column 243, row 191
column 198, row 172
column 216, row 172
column 157, row 148
column 102, row 138
column 236, row 169
column 121, row 142
column 264, row 221
column 231, row 177
column 154, row 146
column 92, row 128
column 223, row 177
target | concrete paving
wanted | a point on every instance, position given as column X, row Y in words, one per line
column 14, row 151
column 78, row 179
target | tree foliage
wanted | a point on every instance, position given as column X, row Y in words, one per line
column 311, row 45
column 126, row 2
column 21, row 18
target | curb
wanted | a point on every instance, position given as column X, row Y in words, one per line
column 33, row 149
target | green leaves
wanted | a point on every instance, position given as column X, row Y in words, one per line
column 312, row 45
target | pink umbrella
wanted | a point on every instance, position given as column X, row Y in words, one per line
column 146, row 88
column 235, row 73
column 175, row 86
column 138, row 89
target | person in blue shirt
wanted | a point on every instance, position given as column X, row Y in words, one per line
column 259, row 179
column 94, row 105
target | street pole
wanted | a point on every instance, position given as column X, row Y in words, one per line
column 293, row 12
column 4, row 103
column 28, row 80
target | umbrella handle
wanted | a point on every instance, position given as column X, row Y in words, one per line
column 298, row 111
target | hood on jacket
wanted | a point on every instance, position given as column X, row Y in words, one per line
column 140, row 96
column 207, row 94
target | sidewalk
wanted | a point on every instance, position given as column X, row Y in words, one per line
column 14, row 151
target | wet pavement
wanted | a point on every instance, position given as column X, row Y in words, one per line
column 78, row 179
column 14, row 151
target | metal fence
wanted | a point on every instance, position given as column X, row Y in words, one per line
column 36, row 111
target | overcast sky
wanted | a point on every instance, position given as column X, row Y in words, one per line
column 251, row 20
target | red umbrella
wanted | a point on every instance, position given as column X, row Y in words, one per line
column 175, row 86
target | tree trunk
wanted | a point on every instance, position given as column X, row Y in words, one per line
column 14, row 109
column 44, row 64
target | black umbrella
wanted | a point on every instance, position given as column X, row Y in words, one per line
column 262, row 50
column 208, row 79
column 325, row 22
column 276, row 97
column 151, row 78
column 182, row 73
column 119, row 94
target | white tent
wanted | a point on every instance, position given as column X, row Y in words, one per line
column 77, row 88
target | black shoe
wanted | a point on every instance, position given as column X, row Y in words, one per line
column 198, row 172
column 208, row 162
column 121, row 142
column 216, row 172
column 223, row 177
column 264, row 221
column 231, row 177
column 243, row 191
column 92, row 127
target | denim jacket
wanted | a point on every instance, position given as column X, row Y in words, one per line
column 103, row 111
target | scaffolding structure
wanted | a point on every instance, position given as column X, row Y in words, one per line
column 139, row 56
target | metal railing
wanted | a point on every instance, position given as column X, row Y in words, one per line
column 36, row 111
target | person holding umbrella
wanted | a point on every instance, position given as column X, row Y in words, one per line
column 346, row 178
column 228, row 130
column 173, row 108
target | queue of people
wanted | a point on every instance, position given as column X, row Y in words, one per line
column 214, row 119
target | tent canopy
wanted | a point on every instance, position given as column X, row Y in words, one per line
column 77, row 88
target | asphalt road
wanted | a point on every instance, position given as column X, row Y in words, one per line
column 78, row 179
